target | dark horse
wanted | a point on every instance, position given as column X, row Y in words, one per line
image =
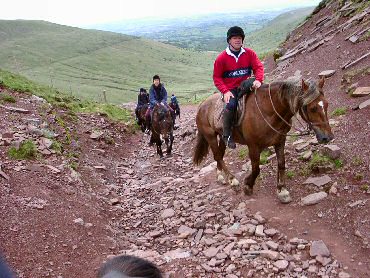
column 141, row 120
column 162, row 125
column 265, row 123
column 176, row 108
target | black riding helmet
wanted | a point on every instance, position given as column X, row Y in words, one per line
column 235, row 31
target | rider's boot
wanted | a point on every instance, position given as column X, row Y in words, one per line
column 148, row 125
column 227, row 129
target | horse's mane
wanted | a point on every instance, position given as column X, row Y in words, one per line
column 291, row 91
column 162, row 112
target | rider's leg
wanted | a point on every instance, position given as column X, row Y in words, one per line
column 137, row 113
column 147, row 120
column 229, row 114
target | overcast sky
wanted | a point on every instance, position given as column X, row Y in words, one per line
column 86, row 12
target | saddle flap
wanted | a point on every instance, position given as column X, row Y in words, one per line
column 219, row 113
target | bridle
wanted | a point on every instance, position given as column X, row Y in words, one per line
column 302, row 109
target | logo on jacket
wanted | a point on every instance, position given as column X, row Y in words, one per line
column 238, row 73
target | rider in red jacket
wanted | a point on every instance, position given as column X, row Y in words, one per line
column 232, row 66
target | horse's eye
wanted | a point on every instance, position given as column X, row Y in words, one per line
column 313, row 109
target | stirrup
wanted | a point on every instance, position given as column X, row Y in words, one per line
column 229, row 142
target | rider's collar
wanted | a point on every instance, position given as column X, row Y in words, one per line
column 228, row 51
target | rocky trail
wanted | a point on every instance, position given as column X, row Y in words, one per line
column 109, row 194
column 94, row 189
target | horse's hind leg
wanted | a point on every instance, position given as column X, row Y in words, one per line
column 254, row 155
column 283, row 193
column 223, row 173
column 169, row 146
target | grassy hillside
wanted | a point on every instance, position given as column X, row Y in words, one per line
column 86, row 62
column 275, row 32
column 63, row 100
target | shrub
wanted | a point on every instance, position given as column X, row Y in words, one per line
column 264, row 155
column 7, row 98
column 339, row 111
column 290, row 174
column 243, row 152
column 27, row 150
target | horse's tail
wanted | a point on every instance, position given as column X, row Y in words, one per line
column 201, row 149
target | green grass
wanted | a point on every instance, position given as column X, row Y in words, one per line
column 338, row 163
column 83, row 63
column 290, row 174
column 275, row 32
column 264, row 155
column 319, row 160
column 27, row 150
column 243, row 153
column 64, row 100
column 7, row 98
column 339, row 111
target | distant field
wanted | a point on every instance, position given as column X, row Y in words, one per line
column 264, row 30
column 86, row 62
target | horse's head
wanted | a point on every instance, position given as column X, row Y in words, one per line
column 314, row 110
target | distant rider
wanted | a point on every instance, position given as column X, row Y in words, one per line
column 142, row 99
column 157, row 94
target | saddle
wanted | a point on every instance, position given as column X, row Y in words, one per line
column 243, row 92
column 219, row 112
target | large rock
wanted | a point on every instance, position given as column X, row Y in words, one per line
column 167, row 213
column 281, row 264
column 361, row 91
column 211, row 167
column 314, row 198
column 318, row 248
column 210, row 252
column 318, row 181
column 326, row 73
column 332, row 151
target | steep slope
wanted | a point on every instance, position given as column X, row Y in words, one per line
column 86, row 62
column 336, row 38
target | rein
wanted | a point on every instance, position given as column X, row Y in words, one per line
column 302, row 132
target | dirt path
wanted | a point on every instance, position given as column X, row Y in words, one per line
column 58, row 222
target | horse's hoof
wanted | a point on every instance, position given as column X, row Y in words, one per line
column 248, row 191
column 221, row 179
column 235, row 185
column 284, row 196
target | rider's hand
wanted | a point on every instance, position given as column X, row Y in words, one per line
column 256, row 84
column 227, row 96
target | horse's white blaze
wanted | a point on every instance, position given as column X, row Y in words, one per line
column 321, row 103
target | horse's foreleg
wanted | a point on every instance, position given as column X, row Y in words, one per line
column 223, row 173
column 169, row 146
column 283, row 193
column 158, row 142
column 254, row 155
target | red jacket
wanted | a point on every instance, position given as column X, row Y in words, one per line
column 229, row 71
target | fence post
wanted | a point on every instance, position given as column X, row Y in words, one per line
column 104, row 96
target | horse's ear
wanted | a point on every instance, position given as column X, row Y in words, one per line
column 304, row 86
column 321, row 82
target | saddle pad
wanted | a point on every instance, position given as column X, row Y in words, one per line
column 219, row 113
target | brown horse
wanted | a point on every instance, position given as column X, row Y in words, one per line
column 141, row 120
column 162, row 125
column 265, row 123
